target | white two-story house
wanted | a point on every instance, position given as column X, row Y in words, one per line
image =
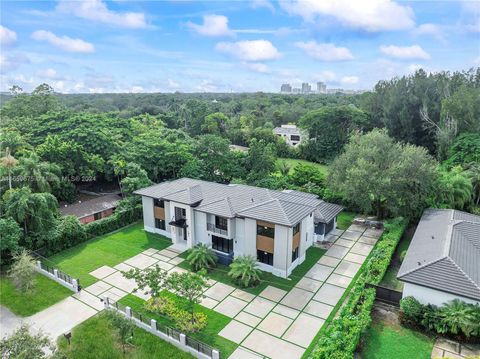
column 275, row 227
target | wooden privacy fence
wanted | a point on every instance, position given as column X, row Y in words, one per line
column 184, row 342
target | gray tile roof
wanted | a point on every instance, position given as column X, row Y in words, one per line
column 236, row 200
column 87, row 208
column 325, row 212
column 445, row 253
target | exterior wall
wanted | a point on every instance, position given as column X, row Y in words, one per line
column 87, row 219
column 149, row 218
column 431, row 296
column 176, row 232
column 202, row 236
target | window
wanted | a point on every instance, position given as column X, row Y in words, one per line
column 221, row 223
column 265, row 257
column 296, row 229
column 160, row 223
column 180, row 213
column 265, row 231
column 222, row 244
column 294, row 254
column 295, row 138
column 97, row 216
column 159, row 203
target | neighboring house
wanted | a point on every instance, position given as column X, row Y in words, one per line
column 274, row 227
column 443, row 260
column 291, row 133
column 238, row 148
column 92, row 209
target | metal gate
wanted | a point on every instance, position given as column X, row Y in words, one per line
column 386, row 295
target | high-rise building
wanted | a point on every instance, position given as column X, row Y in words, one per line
column 306, row 88
column 286, row 88
column 321, row 87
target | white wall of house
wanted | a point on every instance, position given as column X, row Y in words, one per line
column 201, row 235
column 427, row 295
column 148, row 219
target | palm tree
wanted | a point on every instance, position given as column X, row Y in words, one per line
column 35, row 211
column 244, row 271
column 9, row 162
column 202, row 257
column 284, row 168
column 456, row 317
column 38, row 175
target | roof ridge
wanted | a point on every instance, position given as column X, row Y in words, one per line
column 285, row 217
column 257, row 204
column 465, row 274
column 227, row 199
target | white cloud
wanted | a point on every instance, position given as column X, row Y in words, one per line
column 326, row 76
column 257, row 67
column 405, row 52
column 255, row 4
column 7, row 36
column 477, row 61
column 471, row 16
column 172, row 84
column 368, row 15
column 325, row 52
column 414, row 67
column 213, row 25
column 206, row 86
column 48, row 73
column 96, row 10
column 65, row 43
column 254, row 50
column 349, row 80
column 12, row 61
column 136, row 89
column 429, row 29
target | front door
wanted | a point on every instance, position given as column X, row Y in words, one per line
column 184, row 234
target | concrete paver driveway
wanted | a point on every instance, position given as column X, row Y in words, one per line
column 9, row 322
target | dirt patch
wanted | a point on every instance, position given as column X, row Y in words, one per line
column 386, row 314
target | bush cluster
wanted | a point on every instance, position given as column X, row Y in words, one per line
column 455, row 319
column 184, row 320
column 341, row 338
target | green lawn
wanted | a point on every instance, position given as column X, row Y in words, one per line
column 110, row 249
column 209, row 335
column 293, row 162
column 97, row 339
column 46, row 293
column 344, row 219
column 390, row 341
column 220, row 273
column 390, row 280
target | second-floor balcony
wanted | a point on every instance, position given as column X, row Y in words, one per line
column 213, row 228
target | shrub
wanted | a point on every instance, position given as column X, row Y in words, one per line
column 123, row 325
column 402, row 255
column 117, row 220
column 201, row 257
column 411, row 311
column 11, row 235
column 68, row 233
column 341, row 337
column 244, row 271
column 456, row 318
column 22, row 272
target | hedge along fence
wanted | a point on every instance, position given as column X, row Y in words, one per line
column 341, row 338
column 115, row 221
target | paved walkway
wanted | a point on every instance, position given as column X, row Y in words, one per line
column 10, row 322
column 444, row 348
column 276, row 324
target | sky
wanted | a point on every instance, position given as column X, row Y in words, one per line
column 98, row 46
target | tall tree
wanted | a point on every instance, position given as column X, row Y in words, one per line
column 9, row 163
column 381, row 176
column 40, row 176
column 33, row 211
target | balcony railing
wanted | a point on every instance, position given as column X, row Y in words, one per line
column 178, row 222
column 212, row 228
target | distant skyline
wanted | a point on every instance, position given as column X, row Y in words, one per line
column 96, row 46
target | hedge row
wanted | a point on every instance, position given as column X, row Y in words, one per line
column 117, row 220
column 342, row 336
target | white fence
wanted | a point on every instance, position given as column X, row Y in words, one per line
column 190, row 345
column 58, row 276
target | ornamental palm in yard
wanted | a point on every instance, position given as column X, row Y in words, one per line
column 201, row 257
column 244, row 271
